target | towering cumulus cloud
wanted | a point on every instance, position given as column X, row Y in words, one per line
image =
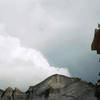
column 21, row 66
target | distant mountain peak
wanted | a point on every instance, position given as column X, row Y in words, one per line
column 8, row 91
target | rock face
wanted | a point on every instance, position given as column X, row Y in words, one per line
column 96, row 42
column 56, row 87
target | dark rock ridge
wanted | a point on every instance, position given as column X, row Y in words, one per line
column 56, row 87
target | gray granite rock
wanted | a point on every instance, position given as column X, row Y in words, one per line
column 56, row 87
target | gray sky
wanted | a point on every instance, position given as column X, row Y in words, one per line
column 59, row 32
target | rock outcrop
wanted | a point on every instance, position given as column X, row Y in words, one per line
column 96, row 42
column 56, row 87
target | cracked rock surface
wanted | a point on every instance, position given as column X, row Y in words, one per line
column 56, row 87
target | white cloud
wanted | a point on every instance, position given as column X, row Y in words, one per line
column 39, row 23
column 29, row 18
column 48, row 25
column 22, row 66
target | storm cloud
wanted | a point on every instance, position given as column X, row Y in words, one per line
column 62, row 30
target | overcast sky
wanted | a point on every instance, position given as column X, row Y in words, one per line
column 36, row 35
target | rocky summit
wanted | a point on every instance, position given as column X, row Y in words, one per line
column 56, row 87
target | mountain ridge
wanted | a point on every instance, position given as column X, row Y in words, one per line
column 55, row 87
